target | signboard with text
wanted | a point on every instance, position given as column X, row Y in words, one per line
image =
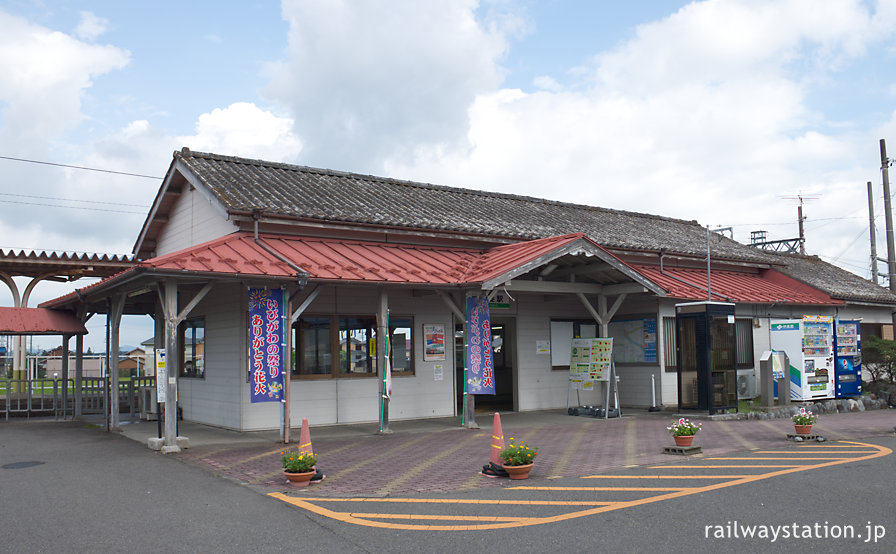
column 266, row 345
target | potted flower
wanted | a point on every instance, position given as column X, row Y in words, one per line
column 683, row 431
column 803, row 421
column 518, row 459
column 298, row 467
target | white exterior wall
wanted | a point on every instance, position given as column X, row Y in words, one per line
column 215, row 400
column 356, row 399
column 193, row 220
column 540, row 387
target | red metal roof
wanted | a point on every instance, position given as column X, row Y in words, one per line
column 39, row 321
column 343, row 260
column 766, row 286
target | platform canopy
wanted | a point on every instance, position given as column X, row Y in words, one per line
column 39, row 321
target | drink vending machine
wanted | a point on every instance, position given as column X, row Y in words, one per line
column 809, row 343
column 848, row 358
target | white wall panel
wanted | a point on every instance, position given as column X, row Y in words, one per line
column 193, row 220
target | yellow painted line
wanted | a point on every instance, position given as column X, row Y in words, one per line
column 800, row 453
column 310, row 505
column 827, row 446
column 464, row 501
column 653, row 489
column 727, row 466
column 662, row 476
column 769, row 425
column 440, row 517
column 738, row 437
column 798, row 456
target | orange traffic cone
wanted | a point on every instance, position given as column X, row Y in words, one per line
column 305, row 447
column 495, row 468
column 305, row 438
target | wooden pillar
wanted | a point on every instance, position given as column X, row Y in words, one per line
column 79, row 374
column 65, row 339
column 114, row 316
column 172, row 363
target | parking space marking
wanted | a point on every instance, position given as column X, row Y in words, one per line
column 417, row 520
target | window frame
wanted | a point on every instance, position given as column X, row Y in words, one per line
column 182, row 348
column 337, row 323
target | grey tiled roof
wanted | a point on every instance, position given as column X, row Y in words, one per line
column 833, row 280
column 244, row 185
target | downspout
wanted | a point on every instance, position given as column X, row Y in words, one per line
column 301, row 274
column 690, row 284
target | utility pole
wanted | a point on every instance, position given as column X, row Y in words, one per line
column 873, row 234
column 799, row 213
column 891, row 250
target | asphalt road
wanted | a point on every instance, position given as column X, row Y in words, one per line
column 67, row 488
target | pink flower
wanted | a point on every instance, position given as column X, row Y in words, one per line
column 681, row 421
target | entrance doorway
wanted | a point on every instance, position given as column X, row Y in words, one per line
column 503, row 354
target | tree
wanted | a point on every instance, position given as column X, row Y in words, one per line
column 879, row 359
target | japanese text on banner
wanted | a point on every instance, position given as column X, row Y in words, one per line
column 266, row 358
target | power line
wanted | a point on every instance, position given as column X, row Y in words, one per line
column 72, row 200
column 71, row 207
column 80, row 167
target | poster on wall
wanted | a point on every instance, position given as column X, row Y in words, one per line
column 480, row 369
column 266, row 358
column 635, row 340
column 433, row 342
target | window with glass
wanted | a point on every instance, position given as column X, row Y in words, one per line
column 744, row 346
column 191, row 337
column 353, row 339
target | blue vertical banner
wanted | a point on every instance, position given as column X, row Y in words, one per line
column 478, row 339
column 266, row 345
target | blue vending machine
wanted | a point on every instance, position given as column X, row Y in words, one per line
column 848, row 358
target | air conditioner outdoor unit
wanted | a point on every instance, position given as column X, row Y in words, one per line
column 746, row 386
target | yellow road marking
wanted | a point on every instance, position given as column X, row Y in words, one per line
column 828, row 446
column 662, row 476
column 800, row 453
column 345, row 517
column 797, row 457
column 539, row 488
column 465, row 501
column 374, row 459
column 440, row 517
column 727, row 466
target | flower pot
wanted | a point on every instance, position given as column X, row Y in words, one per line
column 299, row 479
column 683, row 440
column 802, row 429
column 518, row 472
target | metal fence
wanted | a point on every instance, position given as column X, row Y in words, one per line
column 43, row 397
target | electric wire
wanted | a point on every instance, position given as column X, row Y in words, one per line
column 80, row 167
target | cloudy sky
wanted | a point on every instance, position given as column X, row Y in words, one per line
column 720, row 111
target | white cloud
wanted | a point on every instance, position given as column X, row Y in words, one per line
column 704, row 115
column 244, row 129
column 364, row 82
column 90, row 26
column 43, row 77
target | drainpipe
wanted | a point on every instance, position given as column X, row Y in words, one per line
column 301, row 274
column 690, row 284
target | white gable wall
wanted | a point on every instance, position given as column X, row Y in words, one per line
column 194, row 219
column 214, row 400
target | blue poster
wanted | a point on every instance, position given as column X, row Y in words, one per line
column 478, row 332
column 266, row 345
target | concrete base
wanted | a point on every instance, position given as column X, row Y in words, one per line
column 806, row 437
column 157, row 444
column 682, row 450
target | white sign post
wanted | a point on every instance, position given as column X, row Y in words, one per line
column 161, row 376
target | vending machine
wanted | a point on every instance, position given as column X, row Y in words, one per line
column 809, row 343
column 848, row 358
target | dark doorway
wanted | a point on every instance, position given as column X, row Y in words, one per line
column 503, row 350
